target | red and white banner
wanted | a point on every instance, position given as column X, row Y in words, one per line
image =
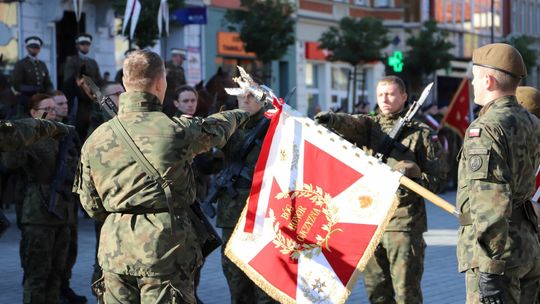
column 536, row 195
column 132, row 12
column 457, row 116
column 317, row 209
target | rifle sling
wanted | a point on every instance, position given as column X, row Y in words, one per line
column 150, row 170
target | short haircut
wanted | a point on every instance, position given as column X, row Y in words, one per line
column 58, row 93
column 505, row 82
column 141, row 69
column 394, row 80
column 36, row 99
column 185, row 88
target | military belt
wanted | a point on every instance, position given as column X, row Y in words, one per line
column 518, row 214
column 142, row 210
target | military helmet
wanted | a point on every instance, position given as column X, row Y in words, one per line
column 501, row 57
column 529, row 98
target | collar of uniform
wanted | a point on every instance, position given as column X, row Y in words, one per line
column 32, row 57
column 392, row 117
column 138, row 102
column 498, row 103
column 254, row 120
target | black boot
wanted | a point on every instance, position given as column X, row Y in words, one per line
column 69, row 296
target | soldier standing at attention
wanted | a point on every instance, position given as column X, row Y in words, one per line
column 74, row 66
column 498, row 246
column 30, row 75
column 242, row 289
column 150, row 244
column 44, row 231
column 175, row 79
column 394, row 272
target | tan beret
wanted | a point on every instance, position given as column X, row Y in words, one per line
column 529, row 98
column 501, row 57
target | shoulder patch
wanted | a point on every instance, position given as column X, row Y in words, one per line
column 475, row 132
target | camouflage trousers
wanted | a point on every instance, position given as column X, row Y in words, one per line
column 522, row 284
column 394, row 272
column 43, row 251
column 118, row 288
column 71, row 255
column 243, row 290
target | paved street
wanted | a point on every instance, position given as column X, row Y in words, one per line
column 441, row 283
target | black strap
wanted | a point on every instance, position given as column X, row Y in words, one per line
column 150, row 170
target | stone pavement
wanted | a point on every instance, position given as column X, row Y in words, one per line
column 441, row 282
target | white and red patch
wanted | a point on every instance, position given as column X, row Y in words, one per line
column 475, row 132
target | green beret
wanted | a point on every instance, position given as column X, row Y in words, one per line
column 529, row 98
column 501, row 57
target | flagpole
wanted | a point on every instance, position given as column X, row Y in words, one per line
column 425, row 193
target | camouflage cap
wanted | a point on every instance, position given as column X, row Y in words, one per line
column 501, row 57
column 529, row 98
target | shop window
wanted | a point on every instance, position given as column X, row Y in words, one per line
column 313, row 89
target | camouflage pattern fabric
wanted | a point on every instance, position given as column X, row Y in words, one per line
column 31, row 76
column 242, row 289
column 112, row 187
column 497, row 167
column 394, row 272
column 422, row 148
column 43, row 254
column 523, row 279
column 20, row 133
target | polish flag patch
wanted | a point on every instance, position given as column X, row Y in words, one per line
column 474, row 132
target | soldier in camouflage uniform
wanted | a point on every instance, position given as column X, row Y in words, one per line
column 143, row 260
column 30, row 75
column 175, row 79
column 242, row 289
column 498, row 247
column 45, row 235
column 394, row 272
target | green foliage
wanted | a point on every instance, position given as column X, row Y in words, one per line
column 522, row 43
column 266, row 27
column 146, row 32
column 429, row 50
column 355, row 41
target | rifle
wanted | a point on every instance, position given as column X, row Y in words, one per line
column 92, row 90
column 61, row 163
column 391, row 140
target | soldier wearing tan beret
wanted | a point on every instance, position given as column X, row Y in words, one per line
column 498, row 247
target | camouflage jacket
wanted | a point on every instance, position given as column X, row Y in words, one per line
column 229, row 209
column 38, row 163
column 16, row 134
column 368, row 132
column 112, row 185
column 73, row 67
column 31, row 76
column 500, row 154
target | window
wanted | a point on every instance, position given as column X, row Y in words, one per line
column 312, row 88
column 381, row 3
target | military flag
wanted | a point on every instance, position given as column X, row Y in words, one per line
column 457, row 116
column 317, row 209
column 77, row 8
column 536, row 196
column 132, row 12
column 163, row 16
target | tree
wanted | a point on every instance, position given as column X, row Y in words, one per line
column 146, row 32
column 522, row 43
column 266, row 27
column 428, row 52
column 355, row 41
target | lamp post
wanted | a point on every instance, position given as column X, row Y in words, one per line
column 492, row 21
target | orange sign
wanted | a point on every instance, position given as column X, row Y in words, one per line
column 314, row 52
column 230, row 44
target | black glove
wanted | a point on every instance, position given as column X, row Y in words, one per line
column 491, row 288
column 324, row 118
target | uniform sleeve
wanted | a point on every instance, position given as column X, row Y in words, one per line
column 354, row 128
column 47, row 79
column 490, row 199
column 432, row 161
column 88, row 195
column 17, row 76
column 23, row 132
column 215, row 130
column 69, row 69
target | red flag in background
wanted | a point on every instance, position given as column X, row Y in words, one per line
column 457, row 116
column 536, row 197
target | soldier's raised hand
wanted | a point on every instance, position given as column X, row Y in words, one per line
column 324, row 118
column 408, row 168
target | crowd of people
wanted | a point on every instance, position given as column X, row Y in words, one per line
column 142, row 174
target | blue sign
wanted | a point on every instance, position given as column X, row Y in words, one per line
column 190, row 15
